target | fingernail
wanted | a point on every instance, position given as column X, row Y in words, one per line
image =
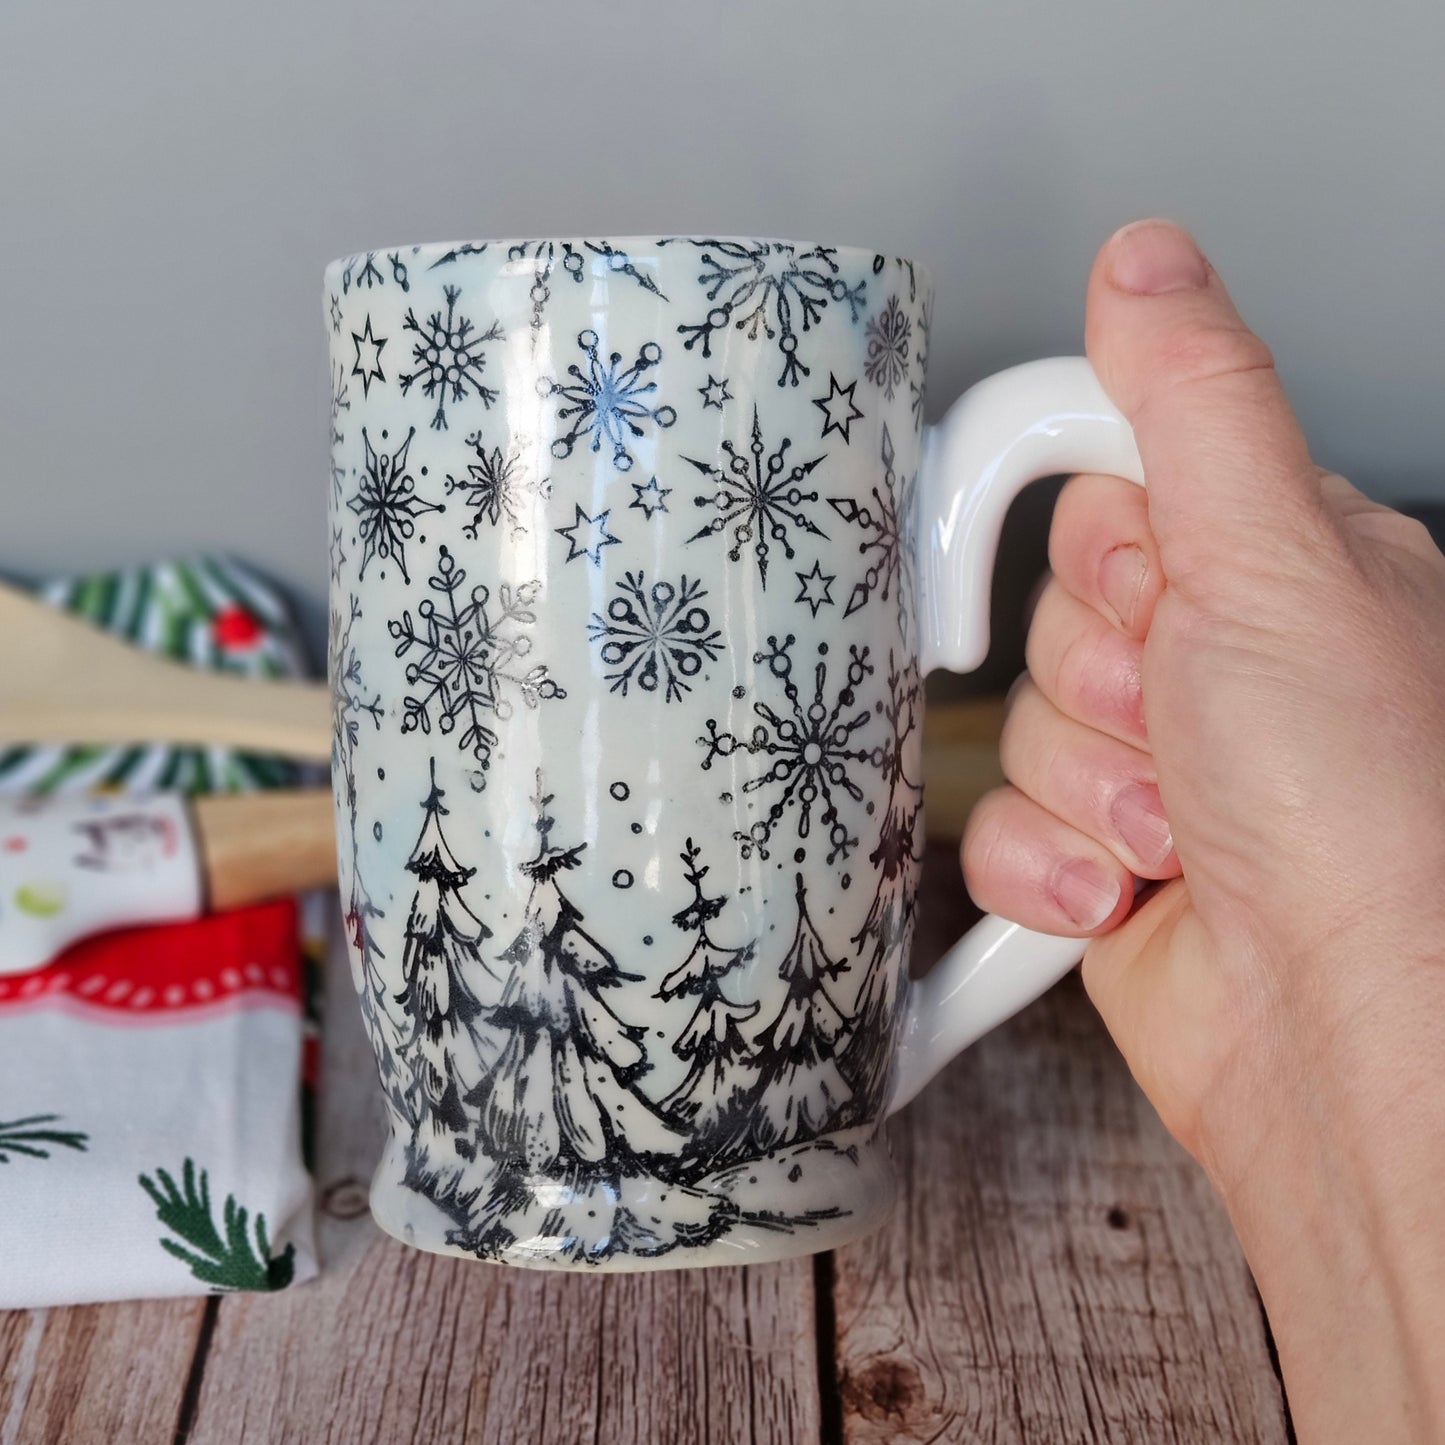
column 1138, row 816
column 1085, row 892
column 1152, row 258
column 1121, row 579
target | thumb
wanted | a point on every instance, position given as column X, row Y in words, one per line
column 1229, row 475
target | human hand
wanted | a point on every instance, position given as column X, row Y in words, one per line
column 1237, row 685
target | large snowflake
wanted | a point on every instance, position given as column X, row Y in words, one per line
column 386, row 504
column 349, row 700
column 607, row 401
column 759, row 496
column 656, row 636
column 449, row 356
column 886, row 544
column 769, row 288
column 546, row 256
column 813, row 746
column 494, row 488
column 471, row 654
column 889, row 334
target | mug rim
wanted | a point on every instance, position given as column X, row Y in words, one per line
column 628, row 243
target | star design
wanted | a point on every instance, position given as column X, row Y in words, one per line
column 335, row 312
column 338, row 557
column 838, row 408
column 650, row 498
column 714, row 393
column 587, row 536
column 372, row 345
column 816, row 590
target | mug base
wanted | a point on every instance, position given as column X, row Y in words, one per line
column 785, row 1205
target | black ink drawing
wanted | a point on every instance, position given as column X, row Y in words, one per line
column 387, row 506
column 839, row 409
column 815, row 588
column 587, row 536
column 813, row 746
column 367, row 364
column 887, row 543
column 714, row 393
column 767, row 288
column 888, row 340
column 655, row 637
column 450, row 357
column 471, row 650
column 650, row 499
column 494, row 488
column 546, row 255
column 757, row 496
column 607, row 401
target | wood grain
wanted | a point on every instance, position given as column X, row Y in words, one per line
column 1058, row 1269
column 392, row 1344
column 114, row 1372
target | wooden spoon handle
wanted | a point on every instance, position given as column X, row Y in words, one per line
column 254, row 846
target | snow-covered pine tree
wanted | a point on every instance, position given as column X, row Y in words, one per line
column 560, row 1108
column 381, row 1028
column 884, row 938
column 712, row 1100
column 800, row 1091
column 442, row 968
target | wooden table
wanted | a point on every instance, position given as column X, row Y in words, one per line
column 1058, row 1271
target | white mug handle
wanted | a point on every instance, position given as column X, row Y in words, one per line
column 1037, row 420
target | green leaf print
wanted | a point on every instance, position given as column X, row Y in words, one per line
column 228, row 1258
column 29, row 1137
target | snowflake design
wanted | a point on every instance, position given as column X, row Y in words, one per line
column 888, row 339
column 387, row 505
column 335, row 312
column 338, row 556
column 759, row 496
column 768, row 287
column 658, row 634
column 887, row 541
column 340, row 401
column 471, row 652
column 494, row 488
column 813, row 747
column 920, row 356
column 362, row 270
column 545, row 256
column 449, row 357
column 348, row 699
column 608, row 401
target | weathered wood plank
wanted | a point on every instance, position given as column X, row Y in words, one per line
column 112, row 1372
column 1058, row 1269
column 392, row 1344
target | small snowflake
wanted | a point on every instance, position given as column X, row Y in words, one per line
column 368, row 356
column 769, row 287
column 494, row 488
column 449, row 356
column 587, row 536
column 888, row 339
column 470, row 658
column 758, row 496
column 340, row 402
column 387, row 505
column 545, row 256
column 348, row 699
column 812, row 745
column 608, row 401
column 338, row 556
column 650, row 499
column 887, row 542
column 839, row 409
column 335, row 309
column 655, row 635
column 920, row 356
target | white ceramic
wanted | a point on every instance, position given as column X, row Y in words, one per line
column 640, row 549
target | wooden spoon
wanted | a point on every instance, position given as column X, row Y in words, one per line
column 62, row 680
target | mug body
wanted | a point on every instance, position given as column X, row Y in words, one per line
column 627, row 735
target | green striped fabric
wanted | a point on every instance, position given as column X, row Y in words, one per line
column 208, row 612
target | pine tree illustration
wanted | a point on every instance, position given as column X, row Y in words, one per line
column 800, row 1090
column 442, row 967
column 561, row 1102
column 713, row 1098
column 884, row 938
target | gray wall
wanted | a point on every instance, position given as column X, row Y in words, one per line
column 174, row 175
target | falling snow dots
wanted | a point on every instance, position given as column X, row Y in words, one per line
column 647, row 939
column 376, row 830
column 637, row 827
column 740, row 691
column 622, row 878
column 620, row 792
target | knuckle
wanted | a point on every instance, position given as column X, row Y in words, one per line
column 1207, row 353
column 984, row 836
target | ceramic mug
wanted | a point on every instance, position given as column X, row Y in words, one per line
column 640, row 550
